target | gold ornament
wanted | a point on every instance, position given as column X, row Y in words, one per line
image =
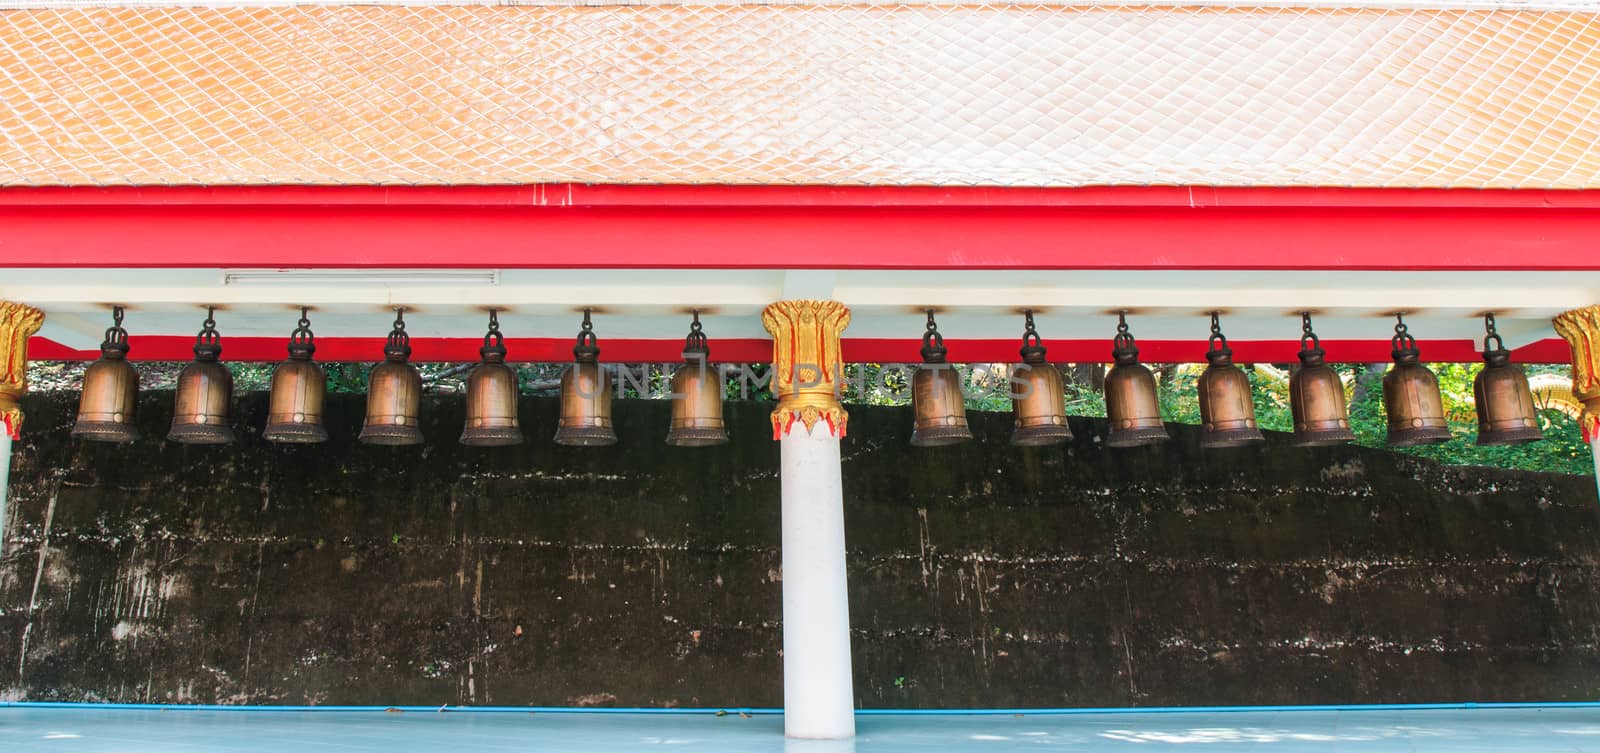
column 17, row 323
column 1581, row 328
column 807, row 367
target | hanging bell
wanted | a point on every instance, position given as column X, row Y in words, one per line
column 1316, row 395
column 696, row 395
column 110, row 391
column 1506, row 412
column 585, row 395
column 1411, row 395
column 394, row 393
column 1132, row 409
column 1227, row 406
column 205, row 392
column 936, row 399
column 1038, row 398
column 294, row 412
column 492, row 391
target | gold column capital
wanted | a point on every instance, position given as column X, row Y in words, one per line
column 806, row 364
column 1581, row 328
column 18, row 322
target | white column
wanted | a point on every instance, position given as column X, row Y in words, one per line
column 5, row 481
column 808, row 422
column 818, row 700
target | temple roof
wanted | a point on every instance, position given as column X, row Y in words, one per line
column 904, row 94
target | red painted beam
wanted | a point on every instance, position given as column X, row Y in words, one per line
column 856, row 350
column 614, row 227
column 601, row 195
column 963, row 238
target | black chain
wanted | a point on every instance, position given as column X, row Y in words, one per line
column 1218, row 341
column 1491, row 334
column 493, row 338
column 1124, row 338
column 587, row 348
column 302, row 334
column 398, row 348
column 208, row 343
column 398, row 336
column 1030, row 336
column 115, row 344
column 1032, row 344
column 696, row 342
column 933, row 350
column 494, row 343
column 1308, row 340
column 1403, row 342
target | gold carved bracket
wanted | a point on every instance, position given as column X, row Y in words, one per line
column 806, row 364
column 1581, row 328
column 17, row 323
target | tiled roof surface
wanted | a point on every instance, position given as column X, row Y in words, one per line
column 1022, row 95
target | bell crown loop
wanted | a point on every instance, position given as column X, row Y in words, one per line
column 208, row 343
column 1311, row 352
column 695, row 345
column 302, row 342
column 587, row 348
column 1405, row 346
column 398, row 347
column 1032, row 345
column 494, row 343
column 115, row 344
column 933, row 350
column 1123, row 347
column 1217, row 350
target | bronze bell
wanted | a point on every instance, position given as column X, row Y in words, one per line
column 585, row 395
column 1038, row 398
column 394, row 393
column 492, row 395
column 936, row 399
column 205, row 392
column 299, row 388
column 1506, row 412
column 1411, row 395
column 1227, row 406
column 696, row 395
column 1316, row 395
column 1132, row 408
column 110, row 391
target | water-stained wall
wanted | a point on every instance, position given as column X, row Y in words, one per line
column 981, row 575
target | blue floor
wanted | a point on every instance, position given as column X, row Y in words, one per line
column 1503, row 730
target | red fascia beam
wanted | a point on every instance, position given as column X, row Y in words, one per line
column 722, row 227
column 856, row 350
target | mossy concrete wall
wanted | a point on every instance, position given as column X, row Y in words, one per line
column 981, row 575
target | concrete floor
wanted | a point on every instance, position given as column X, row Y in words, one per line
column 1519, row 730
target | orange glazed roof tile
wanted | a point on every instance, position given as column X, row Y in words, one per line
column 1004, row 95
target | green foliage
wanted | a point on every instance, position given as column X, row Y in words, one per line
column 1562, row 451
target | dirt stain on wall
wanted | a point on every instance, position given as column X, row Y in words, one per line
column 642, row 574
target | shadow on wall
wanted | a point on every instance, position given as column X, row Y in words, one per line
column 648, row 575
